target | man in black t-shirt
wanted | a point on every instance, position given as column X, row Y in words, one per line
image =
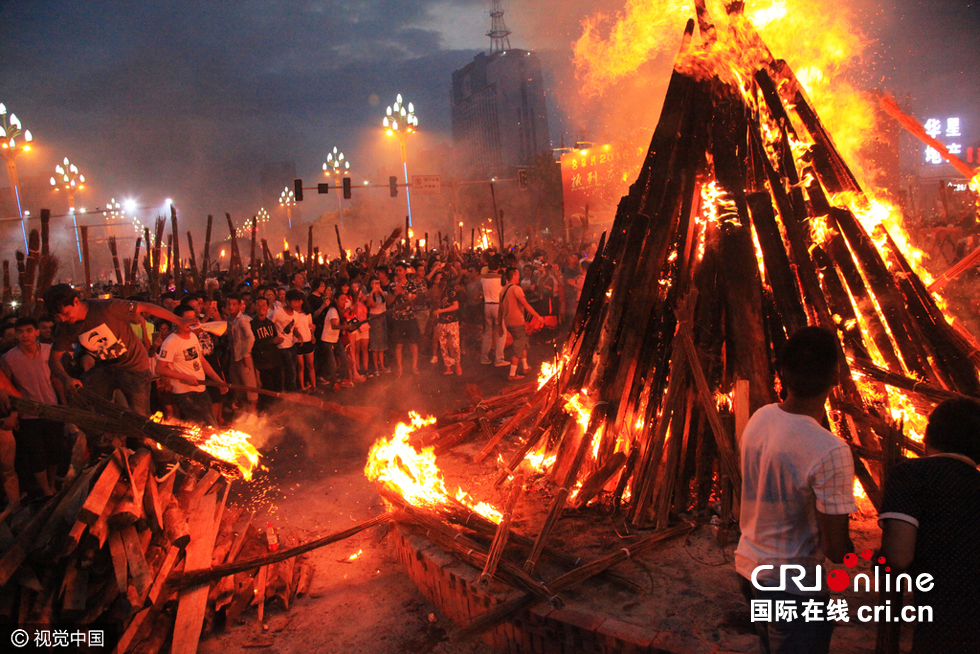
column 930, row 520
column 265, row 353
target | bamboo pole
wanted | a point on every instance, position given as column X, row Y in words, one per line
column 511, row 608
column 193, row 578
column 83, row 232
column 176, row 264
column 503, row 531
column 206, row 255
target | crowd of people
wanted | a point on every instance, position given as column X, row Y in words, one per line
column 201, row 356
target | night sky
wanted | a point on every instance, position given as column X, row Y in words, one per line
column 189, row 100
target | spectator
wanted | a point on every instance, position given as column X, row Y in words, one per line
column 404, row 327
column 491, row 311
column 41, row 441
column 333, row 353
column 241, row 340
column 45, row 328
column 930, row 522
column 303, row 335
column 265, row 351
column 797, row 491
column 447, row 325
column 513, row 306
column 182, row 361
column 284, row 318
column 377, row 320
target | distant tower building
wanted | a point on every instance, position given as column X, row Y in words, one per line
column 499, row 34
column 499, row 116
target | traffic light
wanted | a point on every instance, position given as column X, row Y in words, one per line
column 322, row 189
column 347, row 188
column 522, row 179
column 393, row 186
column 298, row 190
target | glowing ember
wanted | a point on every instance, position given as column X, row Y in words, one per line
column 229, row 445
column 353, row 557
column 413, row 473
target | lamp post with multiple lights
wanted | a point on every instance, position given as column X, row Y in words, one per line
column 337, row 165
column 400, row 121
column 288, row 200
column 9, row 149
column 70, row 180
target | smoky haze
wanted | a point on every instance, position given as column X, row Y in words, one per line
column 154, row 100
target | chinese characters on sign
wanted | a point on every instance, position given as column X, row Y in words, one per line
column 948, row 133
column 427, row 184
column 597, row 177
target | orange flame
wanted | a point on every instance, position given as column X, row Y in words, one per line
column 413, row 473
column 229, row 445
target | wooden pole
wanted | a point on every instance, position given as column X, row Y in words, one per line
column 83, row 232
column 176, row 265
column 206, row 255
column 251, row 262
column 115, row 259
column 136, row 260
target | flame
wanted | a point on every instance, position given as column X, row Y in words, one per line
column 539, row 462
column 285, row 245
column 353, row 557
column 228, row 445
column 859, row 490
column 413, row 473
column 822, row 41
column 548, row 370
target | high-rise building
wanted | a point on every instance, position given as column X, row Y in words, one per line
column 499, row 116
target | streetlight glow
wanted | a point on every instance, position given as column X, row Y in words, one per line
column 71, row 180
column 400, row 121
column 10, row 130
column 287, row 200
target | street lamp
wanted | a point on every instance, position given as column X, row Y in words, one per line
column 69, row 180
column 401, row 122
column 10, row 129
column 337, row 164
column 288, row 200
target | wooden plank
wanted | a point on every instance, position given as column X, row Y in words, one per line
column 137, row 562
column 99, row 496
column 127, row 638
column 192, row 604
column 165, row 569
column 210, row 479
column 260, row 591
column 130, row 506
column 119, row 563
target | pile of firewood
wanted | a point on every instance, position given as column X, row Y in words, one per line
column 109, row 545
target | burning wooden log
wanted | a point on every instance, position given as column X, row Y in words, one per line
column 596, row 422
column 503, row 531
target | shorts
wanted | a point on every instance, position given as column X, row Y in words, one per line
column 41, row 443
column 303, row 348
column 519, row 334
column 405, row 332
column 362, row 334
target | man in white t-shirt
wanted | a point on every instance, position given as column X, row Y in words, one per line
column 797, row 492
column 492, row 285
column 182, row 361
column 332, row 350
column 284, row 318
